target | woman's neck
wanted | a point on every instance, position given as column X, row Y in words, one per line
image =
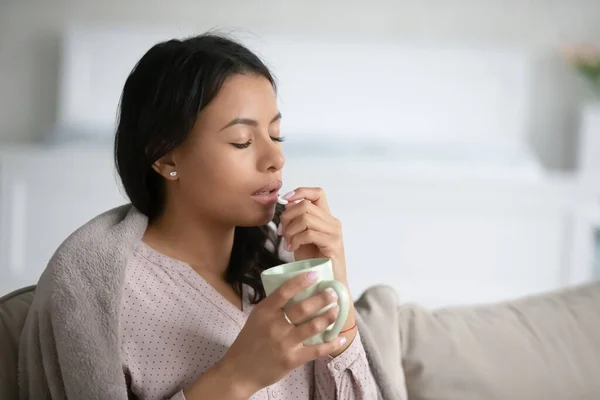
column 204, row 245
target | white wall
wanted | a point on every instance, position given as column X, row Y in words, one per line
column 29, row 44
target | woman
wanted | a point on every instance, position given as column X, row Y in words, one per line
column 198, row 150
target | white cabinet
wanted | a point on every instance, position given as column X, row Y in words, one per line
column 457, row 254
column 441, row 241
column 45, row 195
column 437, row 240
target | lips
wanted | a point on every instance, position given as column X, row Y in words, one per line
column 267, row 195
column 271, row 187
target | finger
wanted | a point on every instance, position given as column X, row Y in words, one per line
column 313, row 326
column 302, row 311
column 296, row 210
column 324, row 241
column 313, row 194
column 280, row 297
column 310, row 353
column 307, row 222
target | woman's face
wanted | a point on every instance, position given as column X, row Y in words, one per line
column 229, row 168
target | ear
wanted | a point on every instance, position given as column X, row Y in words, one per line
column 166, row 167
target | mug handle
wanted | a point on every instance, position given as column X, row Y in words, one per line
column 344, row 304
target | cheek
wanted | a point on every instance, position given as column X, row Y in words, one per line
column 219, row 175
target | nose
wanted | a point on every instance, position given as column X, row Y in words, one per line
column 271, row 159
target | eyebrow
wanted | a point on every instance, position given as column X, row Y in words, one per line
column 248, row 121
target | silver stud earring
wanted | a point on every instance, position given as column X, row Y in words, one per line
column 173, row 173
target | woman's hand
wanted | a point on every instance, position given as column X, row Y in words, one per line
column 310, row 231
column 269, row 347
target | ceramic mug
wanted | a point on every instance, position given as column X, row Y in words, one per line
column 273, row 278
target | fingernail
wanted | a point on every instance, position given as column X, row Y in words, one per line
column 287, row 196
column 312, row 276
column 343, row 340
column 288, row 247
column 279, row 229
column 331, row 293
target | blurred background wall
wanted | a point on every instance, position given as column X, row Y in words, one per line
column 29, row 44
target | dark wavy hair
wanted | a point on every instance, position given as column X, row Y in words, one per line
column 160, row 103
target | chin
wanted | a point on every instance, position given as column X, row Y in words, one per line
column 258, row 218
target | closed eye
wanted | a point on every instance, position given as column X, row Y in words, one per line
column 242, row 145
column 278, row 139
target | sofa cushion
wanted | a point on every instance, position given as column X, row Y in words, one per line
column 545, row 346
column 13, row 311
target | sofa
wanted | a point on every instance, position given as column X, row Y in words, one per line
column 13, row 311
column 545, row 346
